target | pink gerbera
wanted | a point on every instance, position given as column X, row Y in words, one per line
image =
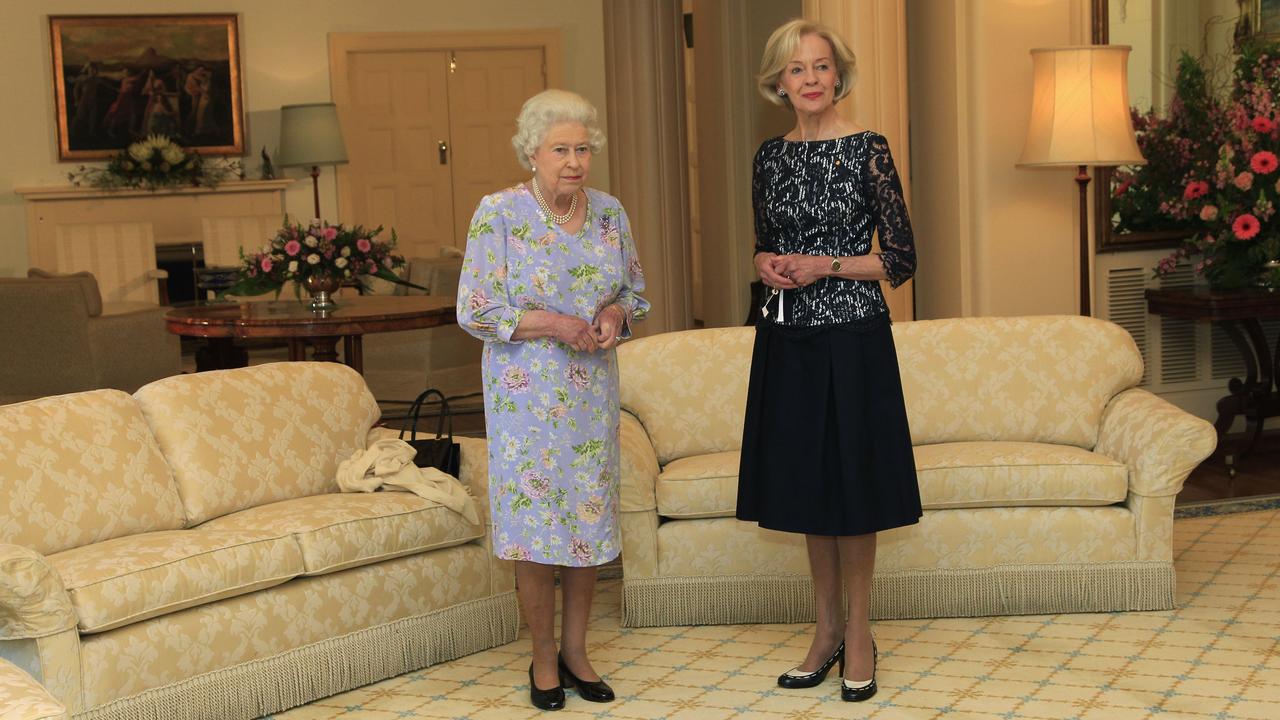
column 293, row 247
column 1263, row 162
column 363, row 244
column 330, row 233
column 1245, row 227
column 266, row 264
column 1195, row 189
column 1264, row 125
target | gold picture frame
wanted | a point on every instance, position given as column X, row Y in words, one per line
column 120, row 78
column 1265, row 19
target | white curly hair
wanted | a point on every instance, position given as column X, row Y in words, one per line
column 549, row 108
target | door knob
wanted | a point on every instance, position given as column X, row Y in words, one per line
column 444, row 152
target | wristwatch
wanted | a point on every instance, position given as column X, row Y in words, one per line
column 835, row 264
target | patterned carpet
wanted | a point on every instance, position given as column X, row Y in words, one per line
column 1217, row 656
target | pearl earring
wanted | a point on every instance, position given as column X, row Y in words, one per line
column 837, row 83
column 782, row 93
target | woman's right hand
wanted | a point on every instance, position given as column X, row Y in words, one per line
column 765, row 268
column 575, row 332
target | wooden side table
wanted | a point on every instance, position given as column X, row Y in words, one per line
column 1240, row 313
column 350, row 321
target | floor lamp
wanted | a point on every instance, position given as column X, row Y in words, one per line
column 1080, row 117
column 310, row 136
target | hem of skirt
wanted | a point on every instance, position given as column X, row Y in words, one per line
column 553, row 563
column 843, row 532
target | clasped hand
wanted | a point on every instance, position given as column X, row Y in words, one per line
column 601, row 334
column 787, row 272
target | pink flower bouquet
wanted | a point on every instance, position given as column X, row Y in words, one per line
column 318, row 250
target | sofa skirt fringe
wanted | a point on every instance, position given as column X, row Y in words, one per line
column 270, row 685
column 1001, row 590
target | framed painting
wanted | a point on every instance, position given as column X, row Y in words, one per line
column 1266, row 19
column 119, row 78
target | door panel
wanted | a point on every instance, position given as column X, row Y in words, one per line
column 486, row 91
column 399, row 110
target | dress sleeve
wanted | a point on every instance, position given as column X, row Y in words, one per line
column 629, row 299
column 897, row 243
column 766, row 234
column 485, row 309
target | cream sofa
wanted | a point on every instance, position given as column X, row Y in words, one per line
column 185, row 553
column 1048, row 478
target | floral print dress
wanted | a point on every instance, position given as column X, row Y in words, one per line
column 551, row 412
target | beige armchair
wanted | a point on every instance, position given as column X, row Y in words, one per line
column 60, row 340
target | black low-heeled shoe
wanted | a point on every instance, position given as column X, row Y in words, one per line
column 552, row 699
column 850, row 693
column 793, row 681
column 597, row 691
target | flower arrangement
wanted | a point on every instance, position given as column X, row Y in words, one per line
column 156, row 162
column 1228, row 199
column 319, row 251
column 1187, row 138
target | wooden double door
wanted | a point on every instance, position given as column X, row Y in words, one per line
column 428, row 132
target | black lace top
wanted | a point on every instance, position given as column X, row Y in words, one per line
column 827, row 197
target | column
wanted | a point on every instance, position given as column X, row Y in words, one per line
column 647, row 149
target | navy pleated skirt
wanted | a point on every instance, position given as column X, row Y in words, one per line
column 826, row 449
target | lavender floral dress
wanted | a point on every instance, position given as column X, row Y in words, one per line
column 551, row 412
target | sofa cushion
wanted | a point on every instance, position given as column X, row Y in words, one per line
column 1031, row 379
column 79, row 469
column 700, row 486
column 129, row 579
column 342, row 530
column 238, row 439
column 1016, row 474
column 951, row 475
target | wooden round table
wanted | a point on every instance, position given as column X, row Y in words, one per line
column 353, row 318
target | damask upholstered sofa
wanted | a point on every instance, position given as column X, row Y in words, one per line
column 1048, row 478
column 184, row 552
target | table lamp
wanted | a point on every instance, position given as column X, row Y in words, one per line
column 1080, row 117
column 311, row 136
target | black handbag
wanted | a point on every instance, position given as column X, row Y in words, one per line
column 440, row 452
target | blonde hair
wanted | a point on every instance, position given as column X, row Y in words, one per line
column 782, row 45
column 552, row 107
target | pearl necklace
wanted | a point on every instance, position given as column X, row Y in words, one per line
column 546, row 208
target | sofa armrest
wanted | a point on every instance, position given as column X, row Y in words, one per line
column 22, row 698
column 473, row 471
column 1159, row 442
column 33, row 601
column 131, row 349
column 639, row 466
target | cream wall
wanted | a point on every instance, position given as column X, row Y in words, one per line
column 993, row 239
column 284, row 60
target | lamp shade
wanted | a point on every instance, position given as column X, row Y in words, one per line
column 1080, row 108
column 310, row 135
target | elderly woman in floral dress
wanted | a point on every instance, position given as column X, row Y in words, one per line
column 550, row 284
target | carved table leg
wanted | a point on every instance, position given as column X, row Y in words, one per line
column 326, row 349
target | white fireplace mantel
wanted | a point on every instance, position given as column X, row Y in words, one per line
column 177, row 215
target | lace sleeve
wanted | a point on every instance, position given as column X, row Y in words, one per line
column 897, row 243
column 766, row 236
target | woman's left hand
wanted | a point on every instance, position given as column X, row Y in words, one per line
column 608, row 326
column 802, row 269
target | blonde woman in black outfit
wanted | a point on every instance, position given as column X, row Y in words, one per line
column 826, row 450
